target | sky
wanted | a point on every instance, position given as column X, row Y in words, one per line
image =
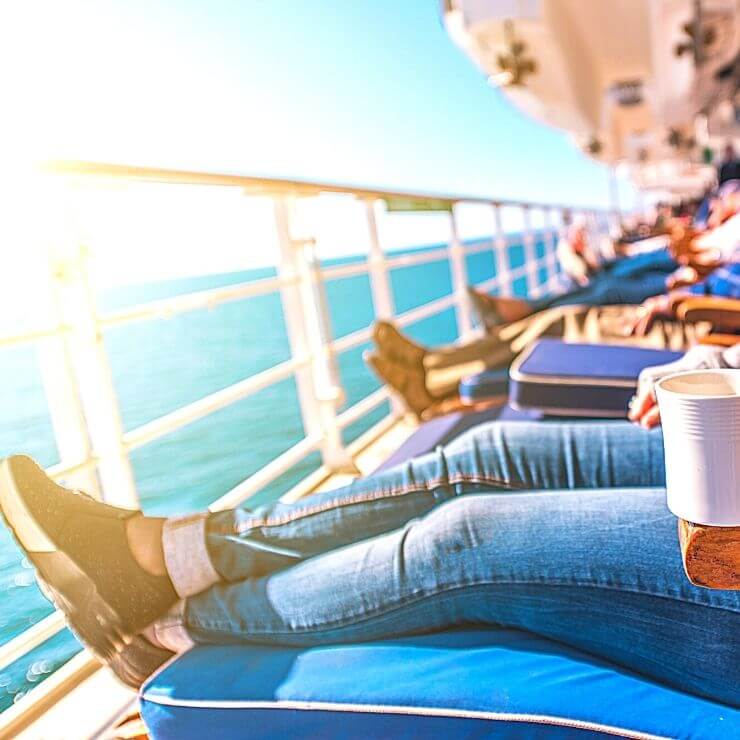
column 367, row 92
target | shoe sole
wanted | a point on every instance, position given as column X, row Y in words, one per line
column 29, row 534
column 60, row 579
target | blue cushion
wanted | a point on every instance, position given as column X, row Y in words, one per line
column 594, row 380
column 444, row 429
column 466, row 683
column 480, row 387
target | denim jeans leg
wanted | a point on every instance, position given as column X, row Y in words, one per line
column 495, row 456
column 598, row 570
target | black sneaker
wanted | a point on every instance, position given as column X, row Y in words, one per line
column 132, row 660
column 80, row 551
column 138, row 661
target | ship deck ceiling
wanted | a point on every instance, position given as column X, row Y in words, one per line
column 591, row 28
column 616, row 55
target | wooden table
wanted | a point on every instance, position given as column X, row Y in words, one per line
column 711, row 555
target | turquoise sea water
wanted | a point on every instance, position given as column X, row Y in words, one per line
column 161, row 365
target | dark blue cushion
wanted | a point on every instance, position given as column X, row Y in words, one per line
column 480, row 387
column 473, row 684
column 444, row 429
column 595, row 380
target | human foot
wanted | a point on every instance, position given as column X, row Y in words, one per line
column 397, row 346
column 494, row 311
column 80, row 550
column 408, row 381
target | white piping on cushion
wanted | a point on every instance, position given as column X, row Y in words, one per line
column 541, row 719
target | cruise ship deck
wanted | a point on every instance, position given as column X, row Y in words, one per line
column 647, row 91
column 84, row 406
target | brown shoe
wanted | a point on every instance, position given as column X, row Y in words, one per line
column 495, row 311
column 407, row 381
column 396, row 346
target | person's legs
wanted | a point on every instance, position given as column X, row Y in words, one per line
column 597, row 570
column 658, row 261
column 424, row 377
column 635, row 290
column 607, row 290
column 488, row 349
column 237, row 544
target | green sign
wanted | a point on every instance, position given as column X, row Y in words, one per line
column 418, row 204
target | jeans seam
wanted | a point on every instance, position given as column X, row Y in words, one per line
column 362, row 498
column 383, row 612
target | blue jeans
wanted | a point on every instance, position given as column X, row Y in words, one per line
column 627, row 267
column 466, row 535
column 607, row 290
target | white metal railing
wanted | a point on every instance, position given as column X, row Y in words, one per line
column 82, row 400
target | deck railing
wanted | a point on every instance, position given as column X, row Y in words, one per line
column 93, row 447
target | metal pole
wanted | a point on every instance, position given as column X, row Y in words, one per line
column 551, row 246
column 307, row 320
column 378, row 266
column 530, row 254
column 501, row 254
column 85, row 350
column 614, row 194
column 459, row 273
column 66, row 412
column 380, row 284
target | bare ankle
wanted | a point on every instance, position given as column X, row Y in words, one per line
column 144, row 535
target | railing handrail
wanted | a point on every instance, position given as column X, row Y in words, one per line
column 309, row 353
column 270, row 186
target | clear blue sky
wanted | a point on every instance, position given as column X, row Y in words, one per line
column 356, row 91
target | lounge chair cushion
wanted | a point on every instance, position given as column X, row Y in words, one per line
column 444, row 429
column 490, row 384
column 592, row 380
column 465, row 683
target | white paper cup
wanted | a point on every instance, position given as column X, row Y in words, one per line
column 700, row 413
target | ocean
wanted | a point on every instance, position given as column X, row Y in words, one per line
column 160, row 365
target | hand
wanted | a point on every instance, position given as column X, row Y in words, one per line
column 644, row 409
column 682, row 277
column 681, row 238
column 650, row 310
column 705, row 260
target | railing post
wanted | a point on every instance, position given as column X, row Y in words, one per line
column 530, row 253
column 378, row 267
column 380, row 284
column 551, row 246
column 85, row 351
column 66, row 412
column 309, row 333
column 459, row 272
column 501, row 253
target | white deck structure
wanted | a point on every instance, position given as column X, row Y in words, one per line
column 648, row 84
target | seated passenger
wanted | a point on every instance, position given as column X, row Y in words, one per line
column 577, row 260
column 722, row 282
column 590, row 281
column 558, row 529
column 425, row 377
column 428, row 380
column 699, row 251
column 690, row 256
